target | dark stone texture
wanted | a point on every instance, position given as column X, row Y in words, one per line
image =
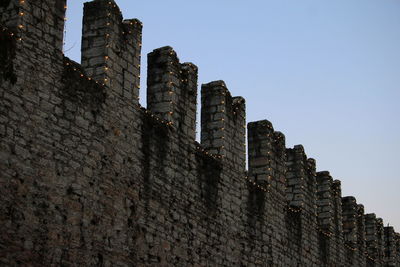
column 90, row 178
column 7, row 54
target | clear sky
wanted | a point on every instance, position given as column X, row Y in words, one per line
column 325, row 73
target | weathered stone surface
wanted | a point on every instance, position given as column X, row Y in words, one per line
column 89, row 178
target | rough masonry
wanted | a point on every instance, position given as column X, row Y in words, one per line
column 88, row 177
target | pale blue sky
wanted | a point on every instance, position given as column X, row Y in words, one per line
column 325, row 73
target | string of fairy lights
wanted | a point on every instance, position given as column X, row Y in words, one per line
column 236, row 111
column 65, row 29
column 169, row 121
column 170, row 87
column 21, row 14
column 107, row 70
column 222, row 129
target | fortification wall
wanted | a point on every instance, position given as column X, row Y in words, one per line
column 90, row 178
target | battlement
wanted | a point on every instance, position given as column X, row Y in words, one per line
column 223, row 123
column 91, row 178
column 325, row 201
column 111, row 49
column 349, row 206
column 172, row 90
column 297, row 176
column 266, row 156
column 390, row 250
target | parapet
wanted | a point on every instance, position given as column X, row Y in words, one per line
column 223, row 123
column 337, row 207
column 371, row 237
column 312, row 167
column 380, row 239
column 172, row 90
column 349, row 208
column 390, row 250
column 311, row 184
column 111, row 49
column 361, row 233
column 325, row 202
column 296, row 176
column 397, row 238
column 266, row 186
column 266, row 156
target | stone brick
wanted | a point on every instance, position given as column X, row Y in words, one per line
column 90, row 178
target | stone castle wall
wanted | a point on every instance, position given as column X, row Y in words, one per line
column 90, row 178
